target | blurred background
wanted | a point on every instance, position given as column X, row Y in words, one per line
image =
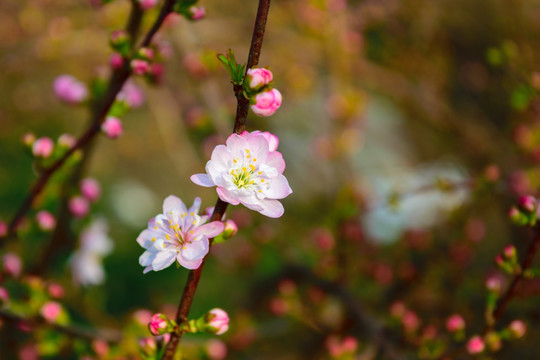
column 408, row 127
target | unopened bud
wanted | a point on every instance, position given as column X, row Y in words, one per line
column 230, row 229
column 139, row 67
column 493, row 284
column 79, row 206
column 455, row 323
column 43, row 147
column 475, row 345
column 510, row 252
column 112, row 127
column 67, row 140
column 28, row 139
column 517, row 217
column 45, row 220
column 518, row 328
column 527, row 203
column 493, row 341
column 197, row 12
column 159, row 325
column 146, row 53
column 217, row 321
column 116, row 60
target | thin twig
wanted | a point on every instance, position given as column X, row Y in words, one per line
column 242, row 109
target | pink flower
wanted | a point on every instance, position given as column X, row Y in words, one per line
column 116, row 60
column 197, row 12
column 131, row 94
column 69, row 89
column 455, row 323
column 112, row 127
column 518, row 328
column 410, row 320
column 139, row 67
column 147, row 4
column 56, row 290
column 12, row 264
column 45, row 220
column 247, row 171
column 258, row 77
column 178, row 234
column 475, row 345
column 79, row 206
column 218, row 321
column 143, row 316
column 216, row 349
column 158, row 325
column 267, row 102
column 43, row 147
column 67, row 140
column 90, row 189
column 51, row 311
column 4, row 295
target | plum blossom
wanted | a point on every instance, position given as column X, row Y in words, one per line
column 177, row 234
column 248, row 171
column 266, row 102
column 86, row 263
column 69, row 89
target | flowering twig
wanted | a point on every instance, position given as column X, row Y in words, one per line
column 100, row 111
column 109, row 335
column 242, row 109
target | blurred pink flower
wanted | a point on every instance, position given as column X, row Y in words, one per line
column 267, row 102
column 258, row 77
column 248, row 171
column 197, row 12
column 29, row 352
column 142, row 316
column 12, row 264
column 218, row 321
column 90, row 189
column 116, row 60
column 43, row 147
column 147, row 4
column 45, row 220
column 216, row 349
column 177, row 234
column 67, row 140
column 69, row 89
column 112, row 127
column 475, row 345
column 4, row 295
column 56, row 290
column 139, row 67
column 518, row 328
column 455, row 323
column 132, row 95
column 79, row 206
column 51, row 311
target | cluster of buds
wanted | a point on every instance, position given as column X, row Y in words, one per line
column 525, row 213
column 508, row 260
column 264, row 99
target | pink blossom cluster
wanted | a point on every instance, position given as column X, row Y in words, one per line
column 265, row 99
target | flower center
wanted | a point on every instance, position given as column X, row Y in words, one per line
column 242, row 176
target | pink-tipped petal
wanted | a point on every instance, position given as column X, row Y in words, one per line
column 209, row 230
column 189, row 264
column 196, row 250
column 279, row 188
column 202, row 180
column 173, row 203
column 275, row 159
column 163, row 259
column 272, row 208
column 226, row 196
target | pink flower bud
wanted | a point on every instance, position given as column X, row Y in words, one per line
column 455, row 323
column 148, row 344
column 3, row 228
column 112, row 127
column 218, row 321
column 158, row 324
column 410, row 321
column 493, row 284
column 43, row 147
column 28, row 139
column 67, row 140
column 499, row 260
column 146, row 53
column 116, row 60
column 216, row 349
column 4, row 295
column 12, row 264
column 131, row 94
column 258, row 77
column 139, row 67
column 101, row 348
column 51, row 311
column 518, row 328
column 79, row 206
column 119, row 37
column 475, row 345
column 45, row 220
column 266, row 102
column 527, row 203
column 56, row 290
column 197, row 12
column 90, row 189
column 147, row 4
column 69, row 89
column 271, row 139
column 510, row 252
column 230, row 229
column 156, row 71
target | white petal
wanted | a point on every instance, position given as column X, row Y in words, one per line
column 163, row 259
column 275, row 160
column 227, row 196
column 279, row 188
column 172, row 203
column 209, row 230
column 147, row 257
column 195, row 250
column 145, row 238
column 196, row 206
column 272, row 208
column 202, row 180
column 189, row 264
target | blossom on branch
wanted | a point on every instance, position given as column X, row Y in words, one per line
column 266, row 102
column 177, row 234
column 249, row 171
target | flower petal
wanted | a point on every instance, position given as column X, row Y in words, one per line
column 272, row 208
column 209, row 230
column 227, row 196
column 145, row 238
column 172, row 203
column 196, row 250
column 279, row 188
column 196, row 206
column 163, row 259
column 275, row 159
column 147, row 257
column 202, row 180
column 189, row 264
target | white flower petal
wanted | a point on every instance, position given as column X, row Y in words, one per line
column 279, row 188
column 147, row 257
column 271, row 208
column 202, row 180
column 163, row 259
column 172, row 203
column 226, row 196
column 209, row 230
column 196, row 250
column 189, row 264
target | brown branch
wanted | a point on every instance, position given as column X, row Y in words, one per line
column 109, row 335
column 242, row 109
column 102, row 107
